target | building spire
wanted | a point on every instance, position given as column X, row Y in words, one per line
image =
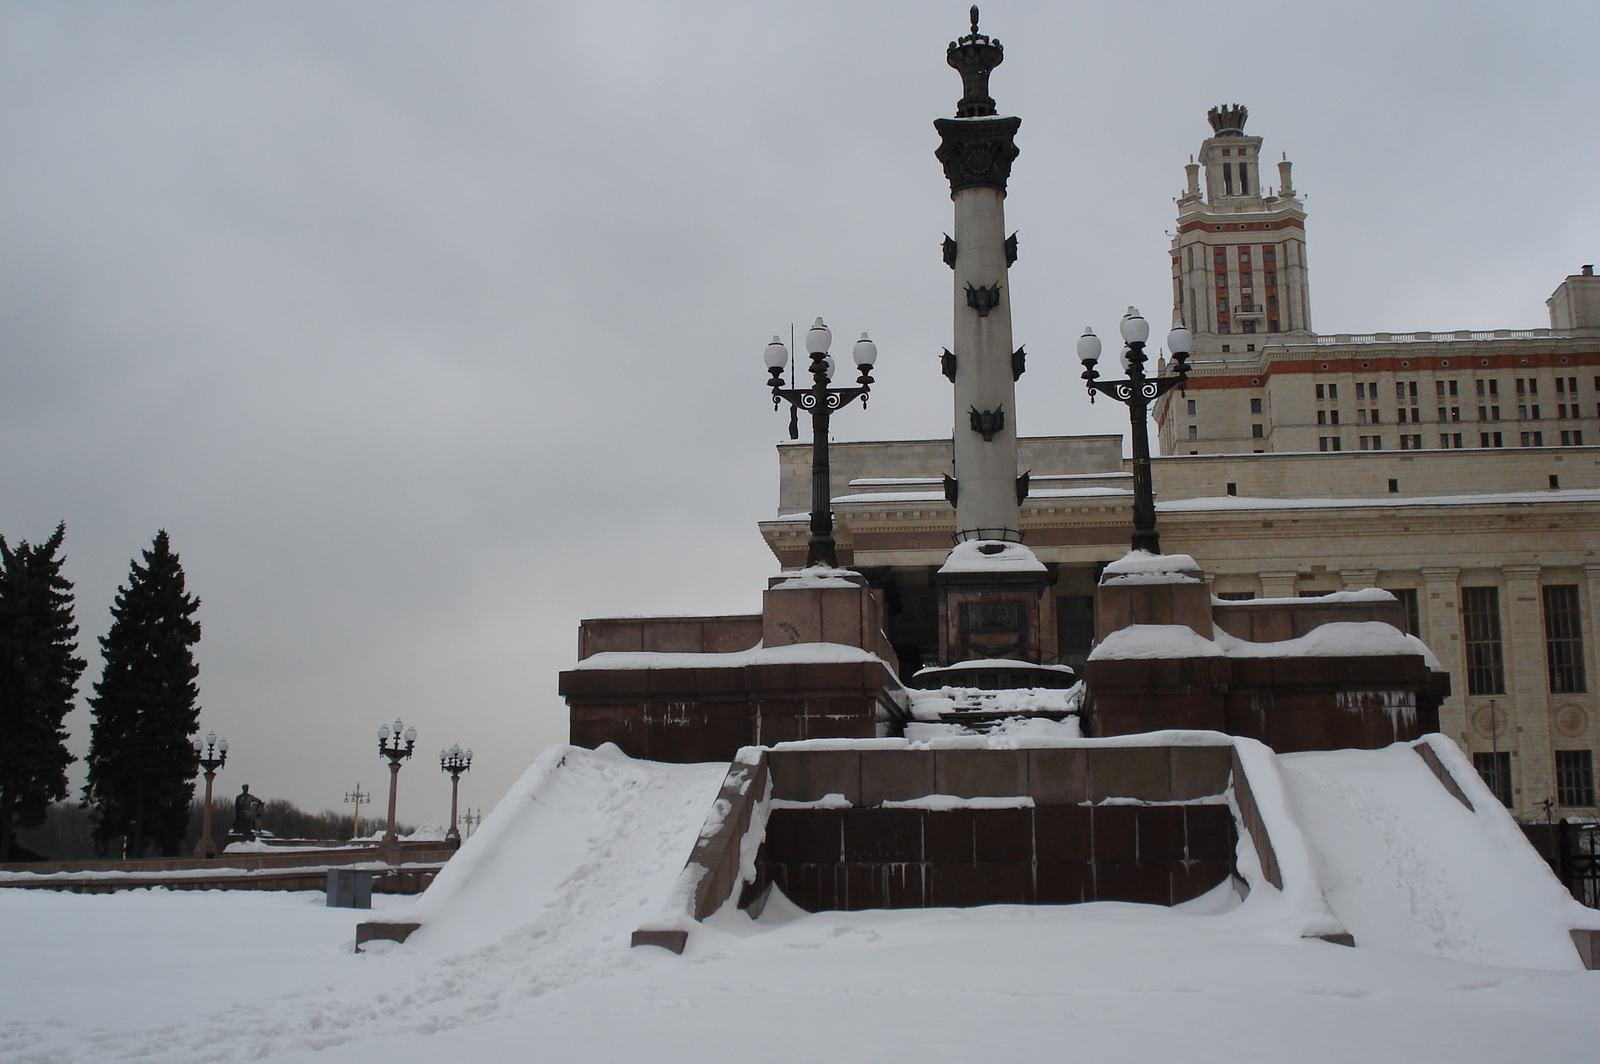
column 974, row 57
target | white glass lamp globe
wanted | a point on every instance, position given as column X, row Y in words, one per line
column 865, row 351
column 1088, row 347
column 1180, row 341
column 818, row 338
column 1135, row 330
column 777, row 354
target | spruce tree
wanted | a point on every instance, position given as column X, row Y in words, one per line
column 38, row 682
column 141, row 764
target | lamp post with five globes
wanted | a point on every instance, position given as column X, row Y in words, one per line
column 393, row 749
column 1137, row 393
column 454, row 761
column 821, row 401
column 212, row 755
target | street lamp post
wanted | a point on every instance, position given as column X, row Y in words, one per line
column 821, row 401
column 454, row 761
column 212, row 755
column 1137, row 393
column 356, row 797
column 396, row 752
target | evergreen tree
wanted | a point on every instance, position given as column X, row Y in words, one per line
column 141, row 764
column 38, row 682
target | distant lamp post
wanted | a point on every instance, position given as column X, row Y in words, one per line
column 471, row 819
column 821, row 401
column 396, row 751
column 454, row 761
column 212, row 755
column 356, row 797
column 1137, row 393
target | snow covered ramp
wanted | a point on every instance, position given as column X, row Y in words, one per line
column 1405, row 865
column 582, row 844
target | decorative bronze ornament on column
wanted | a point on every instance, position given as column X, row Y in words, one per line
column 988, row 422
column 983, row 298
column 949, row 250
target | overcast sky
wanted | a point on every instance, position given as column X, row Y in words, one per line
column 427, row 330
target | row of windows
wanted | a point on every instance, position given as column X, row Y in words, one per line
column 1413, row 441
column 1486, row 387
column 1269, row 256
column 1574, row 776
column 1412, row 415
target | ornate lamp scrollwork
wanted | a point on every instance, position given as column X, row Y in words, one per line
column 949, row 250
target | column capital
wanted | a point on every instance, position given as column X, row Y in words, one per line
column 1436, row 574
column 1521, row 572
column 1356, row 579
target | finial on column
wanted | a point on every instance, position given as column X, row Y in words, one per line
column 974, row 56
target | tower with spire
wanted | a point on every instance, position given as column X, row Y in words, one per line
column 1239, row 253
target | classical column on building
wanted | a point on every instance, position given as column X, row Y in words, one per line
column 977, row 149
column 1278, row 585
column 1527, row 687
column 1357, row 579
column 1441, row 619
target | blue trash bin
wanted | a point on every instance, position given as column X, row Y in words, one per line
column 350, row 888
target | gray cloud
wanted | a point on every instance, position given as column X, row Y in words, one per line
column 428, row 329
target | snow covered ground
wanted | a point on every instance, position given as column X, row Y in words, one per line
column 524, row 956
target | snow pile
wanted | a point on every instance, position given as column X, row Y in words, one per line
column 585, row 840
column 1142, row 567
column 791, row 654
column 1406, row 866
column 1022, row 701
column 1366, row 594
column 991, row 556
column 1011, row 728
column 816, row 576
column 1336, row 639
column 1147, row 642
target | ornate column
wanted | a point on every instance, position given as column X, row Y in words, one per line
column 1357, row 579
column 977, row 149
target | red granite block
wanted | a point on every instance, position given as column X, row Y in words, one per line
column 1063, row 833
column 1210, row 833
column 948, row 836
column 1161, row 833
column 882, row 834
column 1149, row 884
column 1116, row 833
column 800, row 836
column 1003, row 835
column 1062, row 882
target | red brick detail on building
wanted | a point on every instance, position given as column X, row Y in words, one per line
column 1243, row 227
column 1463, row 364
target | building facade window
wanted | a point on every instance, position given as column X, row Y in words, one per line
column 1480, row 632
column 1191, row 406
column 1533, row 439
column 1255, row 406
column 1495, row 770
column 1571, row 438
column 1330, row 443
column 1490, row 439
column 1575, row 778
column 1194, row 432
column 1257, row 432
column 1408, row 599
column 1563, row 639
column 1449, row 439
